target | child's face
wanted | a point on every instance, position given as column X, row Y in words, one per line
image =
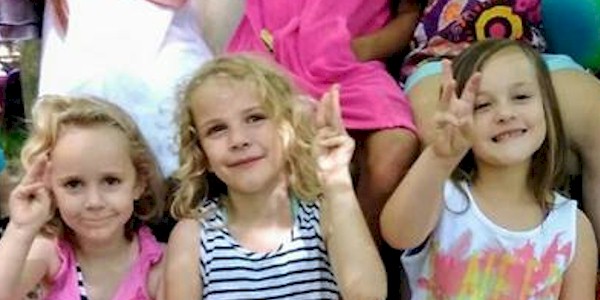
column 94, row 181
column 238, row 137
column 508, row 113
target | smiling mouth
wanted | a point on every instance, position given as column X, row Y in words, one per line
column 245, row 161
column 508, row 135
column 96, row 221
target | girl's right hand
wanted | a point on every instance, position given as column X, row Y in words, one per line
column 30, row 202
column 454, row 117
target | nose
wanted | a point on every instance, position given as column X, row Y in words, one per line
column 238, row 138
column 94, row 199
column 504, row 112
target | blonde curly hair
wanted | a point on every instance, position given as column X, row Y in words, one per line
column 281, row 102
column 51, row 114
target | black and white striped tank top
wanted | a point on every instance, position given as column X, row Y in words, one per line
column 81, row 284
column 298, row 269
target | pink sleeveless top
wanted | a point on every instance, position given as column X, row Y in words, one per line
column 133, row 287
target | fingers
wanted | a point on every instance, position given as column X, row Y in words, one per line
column 448, row 87
column 335, row 111
column 320, row 112
column 37, row 171
column 445, row 120
column 29, row 191
column 33, row 194
column 471, row 88
column 47, row 177
column 329, row 112
column 448, row 92
column 334, row 141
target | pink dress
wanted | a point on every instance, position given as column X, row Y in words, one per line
column 312, row 40
column 133, row 287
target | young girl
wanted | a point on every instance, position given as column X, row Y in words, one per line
column 447, row 27
column 315, row 40
column 268, row 234
column 76, row 218
column 496, row 230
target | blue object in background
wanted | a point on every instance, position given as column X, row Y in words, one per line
column 572, row 27
column 2, row 161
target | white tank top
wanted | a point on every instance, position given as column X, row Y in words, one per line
column 468, row 256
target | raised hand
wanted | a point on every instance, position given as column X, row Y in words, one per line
column 333, row 146
column 454, row 118
column 30, row 201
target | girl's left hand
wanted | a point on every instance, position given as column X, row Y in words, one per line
column 333, row 146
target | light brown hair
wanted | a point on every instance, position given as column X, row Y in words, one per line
column 547, row 167
column 281, row 103
column 51, row 114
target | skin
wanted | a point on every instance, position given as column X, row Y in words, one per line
column 578, row 94
column 483, row 119
column 258, row 201
column 95, row 199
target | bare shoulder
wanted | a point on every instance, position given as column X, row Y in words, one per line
column 586, row 249
column 579, row 281
column 182, row 261
column 185, row 232
column 184, row 243
column 585, row 232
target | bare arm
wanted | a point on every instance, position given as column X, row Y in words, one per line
column 390, row 39
column 24, row 262
column 219, row 21
column 578, row 94
column 25, row 259
column 580, row 279
column 182, row 270
column 353, row 254
column 414, row 208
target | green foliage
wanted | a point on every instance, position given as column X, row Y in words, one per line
column 11, row 142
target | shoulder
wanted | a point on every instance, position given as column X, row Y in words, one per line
column 585, row 232
column 182, row 260
column 185, row 236
column 185, row 229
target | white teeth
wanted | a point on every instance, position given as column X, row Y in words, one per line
column 507, row 135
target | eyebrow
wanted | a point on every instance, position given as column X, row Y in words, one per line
column 514, row 85
column 210, row 122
